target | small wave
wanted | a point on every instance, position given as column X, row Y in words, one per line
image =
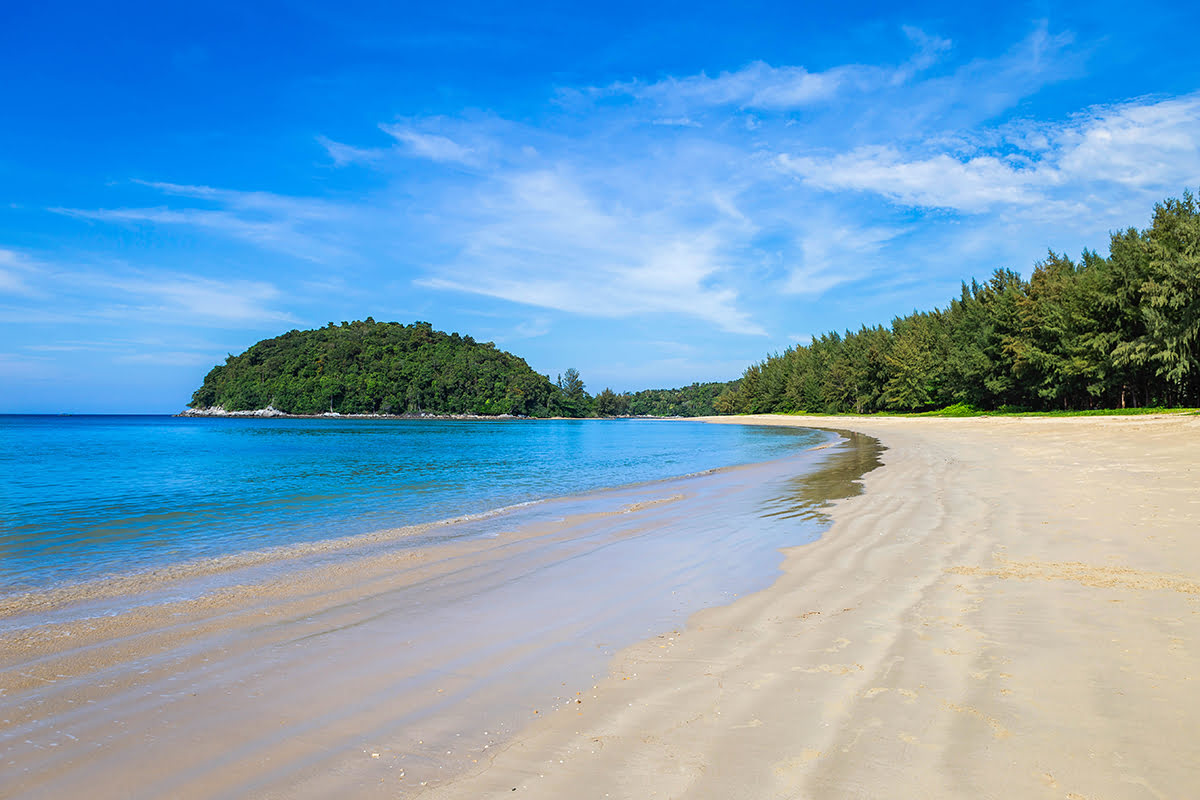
column 122, row 584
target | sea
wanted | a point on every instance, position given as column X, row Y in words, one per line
column 84, row 498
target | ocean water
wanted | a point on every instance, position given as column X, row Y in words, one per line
column 85, row 497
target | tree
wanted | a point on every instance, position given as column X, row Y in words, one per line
column 611, row 404
column 1172, row 295
column 916, row 364
column 572, row 400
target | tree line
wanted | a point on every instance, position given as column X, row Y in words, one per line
column 696, row 400
column 1100, row 332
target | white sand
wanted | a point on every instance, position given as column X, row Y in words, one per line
column 1009, row 611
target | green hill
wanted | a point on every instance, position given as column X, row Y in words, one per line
column 370, row 367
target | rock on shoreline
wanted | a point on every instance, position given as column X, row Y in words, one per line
column 272, row 412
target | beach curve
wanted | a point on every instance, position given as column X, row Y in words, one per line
column 1009, row 610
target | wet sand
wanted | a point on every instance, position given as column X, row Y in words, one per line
column 388, row 671
column 1011, row 609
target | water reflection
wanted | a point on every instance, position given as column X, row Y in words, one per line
column 805, row 496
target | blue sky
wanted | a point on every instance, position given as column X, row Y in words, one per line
column 653, row 196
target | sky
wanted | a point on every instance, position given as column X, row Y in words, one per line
column 653, row 196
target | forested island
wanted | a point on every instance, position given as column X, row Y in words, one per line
column 388, row 368
column 1101, row 332
column 369, row 367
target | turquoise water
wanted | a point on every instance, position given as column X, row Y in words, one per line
column 90, row 496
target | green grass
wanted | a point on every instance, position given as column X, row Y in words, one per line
column 1098, row 412
column 965, row 410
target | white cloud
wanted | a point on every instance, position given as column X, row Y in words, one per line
column 1147, row 147
column 205, row 300
column 940, row 181
column 543, row 240
column 118, row 293
column 343, row 154
column 835, row 251
column 15, row 269
column 980, row 89
column 11, row 283
column 1136, row 145
column 678, row 122
column 431, row 145
column 755, row 86
column 762, row 87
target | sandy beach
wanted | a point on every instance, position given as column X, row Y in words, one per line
column 1009, row 610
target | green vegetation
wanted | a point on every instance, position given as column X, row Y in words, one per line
column 962, row 410
column 1100, row 333
column 383, row 368
column 696, row 400
column 374, row 367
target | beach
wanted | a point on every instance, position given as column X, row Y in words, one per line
column 380, row 664
column 1010, row 609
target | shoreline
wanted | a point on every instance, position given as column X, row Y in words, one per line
column 397, row 654
column 143, row 581
column 1011, row 609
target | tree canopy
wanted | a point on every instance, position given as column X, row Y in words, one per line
column 369, row 367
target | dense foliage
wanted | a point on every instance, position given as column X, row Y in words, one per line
column 373, row 367
column 1100, row 332
column 381, row 367
column 690, row 401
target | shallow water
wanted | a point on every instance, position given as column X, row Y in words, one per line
column 83, row 497
column 373, row 668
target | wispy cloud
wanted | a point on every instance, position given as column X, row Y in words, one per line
column 15, row 269
column 756, row 86
column 542, row 239
column 343, row 154
column 760, row 86
column 938, row 181
column 836, row 251
column 431, row 145
column 98, row 292
column 297, row 226
column 1139, row 147
column 984, row 87
column 678, row 122
column 201, row 300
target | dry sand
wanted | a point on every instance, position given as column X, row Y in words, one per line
column 1009, row 611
